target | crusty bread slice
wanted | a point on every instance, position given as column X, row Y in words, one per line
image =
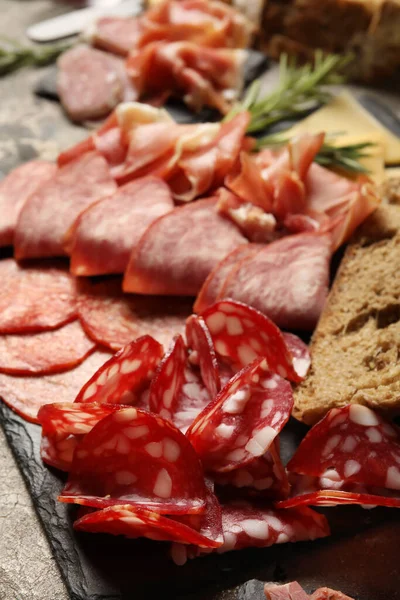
column 355, row 348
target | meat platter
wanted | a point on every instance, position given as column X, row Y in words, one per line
column 100, row 566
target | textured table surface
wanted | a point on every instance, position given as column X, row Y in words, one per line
column 30, row 127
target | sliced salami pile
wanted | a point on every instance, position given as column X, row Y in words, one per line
column 294, row 591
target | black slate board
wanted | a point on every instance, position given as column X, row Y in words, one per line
column 361, row 558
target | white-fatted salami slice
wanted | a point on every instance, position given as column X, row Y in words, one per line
column 241, row 334
column 203, row 353
column 123, row 378
column 293, row 274
column 241, row 423
column 114, row 34
column 37, row 297
column 137, row 458
column 50, row 212
column 352, row 444
column 288, row 591
column 300, row 353
column 114, row 319
column 15, row 190
column 58, row 451
column 103, row 236
column 178, row 251
column 91, row 83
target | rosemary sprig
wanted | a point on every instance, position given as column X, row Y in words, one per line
column 344, row 157
column 300, row 89
column 14, row 56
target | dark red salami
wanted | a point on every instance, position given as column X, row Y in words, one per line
column 58, row 451
column 203, row 353
column 15, row 190
column 352, row 444
column 123, row 378
column 103, row 236
column 178, row 251
column 243, row 420
column 214, row 283
column 25, row 395
column 241, row 334
column 288, row 591
column 114, row 319
column 300, row 353
column 35, row 298
column 49, row 213
column 136, row 458
column 134, row 522
column 45, row 352
column 328, row 594
column 114, row 34
column 338, row 497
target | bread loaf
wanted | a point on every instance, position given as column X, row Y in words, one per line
column 355, row 348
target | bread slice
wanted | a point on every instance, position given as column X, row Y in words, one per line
column 355, row 348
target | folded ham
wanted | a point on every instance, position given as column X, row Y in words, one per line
column 294, row 591
column 103, row 236
column 178, row 251
column 51, row 210
column 15, row 190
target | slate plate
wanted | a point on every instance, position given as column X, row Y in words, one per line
column 361, row 558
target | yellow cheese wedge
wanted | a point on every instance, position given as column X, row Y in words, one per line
column 374, row 162
column 344, row 115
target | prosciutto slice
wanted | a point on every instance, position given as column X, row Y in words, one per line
column 178, row 251
column 15, row 190
column 287, row 280
column 104, row 234
column 50, row 212
column 91, row 83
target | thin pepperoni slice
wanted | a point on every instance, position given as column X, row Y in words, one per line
column 25, row 395
column 265, row 476
column 35, row 298
column 241, row 334
column 136, row 458
column 352, row 444
column 203, row 353
column 45, row 352
column 338, row 497
column 166, row 386
column 123, row 378
column 247, row 526
column 114, row 319
column 243, row 420
column 300, row 353
column 134, row 522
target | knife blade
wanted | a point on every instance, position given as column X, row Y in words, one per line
column 76, row 21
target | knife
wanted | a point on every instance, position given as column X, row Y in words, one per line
column 76, row 21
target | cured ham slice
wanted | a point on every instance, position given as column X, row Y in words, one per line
column 105, row 233
column 41, row 228
column 202, row 76
column 288, row 591
column 25, row 395
column 45, row 352
column 15, row 190
column 114, row 34
column 114, row 319
column 35, row 298
column 91, row 83
column 292, row 274
column 136, row 458
column 179, row 250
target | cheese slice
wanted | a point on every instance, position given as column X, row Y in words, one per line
column 345, row 116
column 375, row 161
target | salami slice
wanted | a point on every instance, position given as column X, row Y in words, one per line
column 134, row 522
column 35, row 298
column 247, row 526
column 123, row 378
column 193, row 399
column 114, row 34
column 136, row 458
column 213, row 285
column 288, row 591
column 300, row 354
column 45, row 352
column 352, row 444
column 243, row 420
column 105, row 233
column 52, row 209
column 114, row 319
column 203, row 353
column 179, row 250
column 58, row 451
column 338, row 497
column 91, row 83
column 293, row 274
column 265, row 476
column 166, row 387
column 15, row 190
column 241, row 334
column 328, row 594
column 25, row 395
